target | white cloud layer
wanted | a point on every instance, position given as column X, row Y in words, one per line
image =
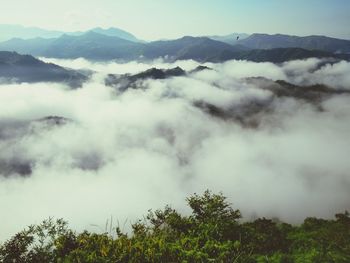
column 124, row 154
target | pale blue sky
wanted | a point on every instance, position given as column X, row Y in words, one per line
column 155, row 19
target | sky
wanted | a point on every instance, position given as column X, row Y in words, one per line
column 157, row 19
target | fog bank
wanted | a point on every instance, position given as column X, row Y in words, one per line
column 120, row 154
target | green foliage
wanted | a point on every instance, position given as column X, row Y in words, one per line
column 211, row 233
column 34, row 244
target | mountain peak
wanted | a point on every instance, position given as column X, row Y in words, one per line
column 116, row 32
column 91, row 35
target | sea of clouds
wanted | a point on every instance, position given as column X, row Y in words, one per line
column 119, row 154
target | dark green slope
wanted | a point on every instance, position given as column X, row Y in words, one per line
column 25, row 68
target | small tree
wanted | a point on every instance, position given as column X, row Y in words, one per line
column 34, row 244
column 211, row 207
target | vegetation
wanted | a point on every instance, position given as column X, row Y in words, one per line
column 212, row 233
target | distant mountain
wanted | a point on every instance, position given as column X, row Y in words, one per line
column 90, row 45
column 255, row 41
column 24, row 68
column 265, row 41
column 96, row 46
column 196, row 48
column 8, row 32
column 231, row 38
column 116, row 32
column 126, row 81
column 278, row 55
column 34, row 46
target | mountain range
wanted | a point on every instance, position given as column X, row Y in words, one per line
column 8, row 32
column 231, row 39
column 97, row 46
column 115, row 44
column 265, row 41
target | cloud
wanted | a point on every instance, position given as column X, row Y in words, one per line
column 132, row 67
column 315, row 71
column 122, row 154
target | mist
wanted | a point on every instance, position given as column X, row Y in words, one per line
column 121, row 153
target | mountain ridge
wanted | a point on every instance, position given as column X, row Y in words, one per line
column 8, row 32
column 25, row 68
column 266, row 41
column 100, row 47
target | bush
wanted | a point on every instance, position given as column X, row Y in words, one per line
column 211, row 233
